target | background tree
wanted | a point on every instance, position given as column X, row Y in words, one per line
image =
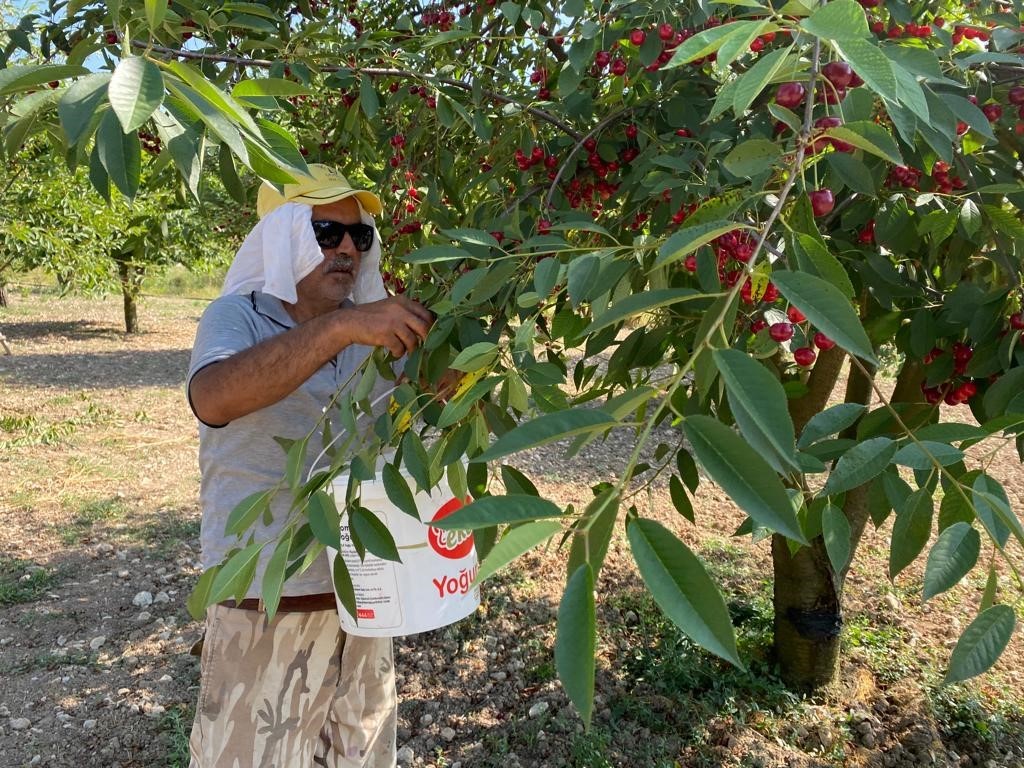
column 775, row 192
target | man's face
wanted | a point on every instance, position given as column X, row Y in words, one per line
column 331, row 282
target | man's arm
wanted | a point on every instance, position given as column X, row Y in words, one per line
column 271, row 370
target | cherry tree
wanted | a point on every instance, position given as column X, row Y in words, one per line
column 712, row 217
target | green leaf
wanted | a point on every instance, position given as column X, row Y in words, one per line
column 26, row 77
column 752, row 158
column 738, row 43
column 827, row 309
column 273, row 576
column 871, row 64
column 951, row 558
column 870, row 137
column 682, row 588
column 829, row 422
column 982, row 643
column 547, row 429
column 743, row 474
column 513, row 544
column 343, row 586
column 576, row 639
column 687, row 240
column 155, row 12
column 324, row 519
column 79, row 102
column 679, row 498
column 969, row 113
column 859, row 464
column 268, row 86
column 136, row 90
column 637, row 304
column 999, row 396
column 120, row 154
column 921, row 455
column 368, row 98
column 581, row 278
column 837, row 20
column 495, row 510
column 910, row 531
column 373, row 533
column 398, row 492
column 431, row 254
column 593, row 532
column 199, row 598
column 236, row 574
column 754, row 80
column 703, row 43
column 247, row 512
column 993, row 509
column 835, row 529
column 814, row 258
column 475, row 357
column 759, row 405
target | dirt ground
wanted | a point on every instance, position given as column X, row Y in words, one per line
column 98, row 549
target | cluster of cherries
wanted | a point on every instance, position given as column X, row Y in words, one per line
column 784, row 331
column 149, row 142
column 957, row 390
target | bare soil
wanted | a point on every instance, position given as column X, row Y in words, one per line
column 98, row 548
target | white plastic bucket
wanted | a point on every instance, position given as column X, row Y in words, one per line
column 429, row 588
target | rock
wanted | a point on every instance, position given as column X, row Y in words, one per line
column 426, row 719
column 162, row 597
column 538, row 709
column 891, row 602
column 4, row 711
column 405, row 756
column 143, row 599
column 97, row 642
column 154, row 710
column 124, row 573
column 20, row 724
column 165, row 679
column 447, row 733
column 631, row 619
column 88, row 725
column 144, row 617
column 868, row 740
column 499, row 676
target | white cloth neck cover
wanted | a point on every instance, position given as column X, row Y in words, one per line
column 282, row 249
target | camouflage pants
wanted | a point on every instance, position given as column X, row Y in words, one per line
column 295, row 692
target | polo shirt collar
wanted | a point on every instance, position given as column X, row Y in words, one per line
column 272, row 307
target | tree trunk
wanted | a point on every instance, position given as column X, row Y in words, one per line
column 131, row 282
column 3, row 295
column 808, row 614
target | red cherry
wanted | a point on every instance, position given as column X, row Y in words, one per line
column 54, row 83
column 771, row 294
column 780, row 331
column 822, row 202
column 666, row 32
column 823, row 342
column 758, row 325
column 1017, row 321
column 939, row 22
column 1016, row 95
column 637, row 37
column 967, row 390
column 590, row 144
column 932, row 395
column 543, row 226
column 618, row 67
column 631, row 131
column 795, row 315
column 790, row 95
column 992, row 111
column 839, row 73
column 683, row 132
column 856, row 81
column 804, row 356
column 690, row 263
column 110, row 37
column 602, row 59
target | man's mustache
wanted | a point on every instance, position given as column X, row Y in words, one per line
column 340, row 264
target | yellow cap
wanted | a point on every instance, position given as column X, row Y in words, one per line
column 323, row 185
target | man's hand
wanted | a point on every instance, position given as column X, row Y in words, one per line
column 395, row 323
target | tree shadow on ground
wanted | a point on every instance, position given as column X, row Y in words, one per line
column 98, row 370
column 69, row 330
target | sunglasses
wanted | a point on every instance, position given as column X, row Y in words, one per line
column 329, row 234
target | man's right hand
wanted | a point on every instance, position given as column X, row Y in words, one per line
column 396, row 323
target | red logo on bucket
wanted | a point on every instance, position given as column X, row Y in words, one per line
column 451, row 544
column 365, row 613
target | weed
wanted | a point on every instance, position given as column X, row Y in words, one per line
column 176, row 724
column 969, row 717
column 23, row 582
column 884, row 647
column 588, row 749
column 90, row 513
column 50, row 660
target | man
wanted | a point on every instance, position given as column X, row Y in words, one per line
column 302, row 308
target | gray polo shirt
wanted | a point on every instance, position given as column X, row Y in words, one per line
column 240, row 458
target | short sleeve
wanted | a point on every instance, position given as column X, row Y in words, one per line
column 226, row 328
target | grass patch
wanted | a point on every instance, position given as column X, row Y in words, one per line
column 50, row 661
column 27, row 430
column 23, row 582
column 176, row 725
column 968, row 718
column 883, row 646
column 88, row 515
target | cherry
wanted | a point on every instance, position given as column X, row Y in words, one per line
column 758, row 325
column 839, row 73
column 618, row 67
column 666, row 32
column 823, row 342
column 795, row 315
column 1017, row 321
column 110, row 37
column 590, row 144
column 637, row 37
column 684, row 133
column 690, row 263
column 804, row 356
column 602, row 59
column 631, row 131
column 822, row 202
column 966, row 391
column 54, row 83
column 543, row 94
column 780, row 331
column 992, row 111
column 790, row 95
column 931, row 394
column 1016, row 95
column 543, row 226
